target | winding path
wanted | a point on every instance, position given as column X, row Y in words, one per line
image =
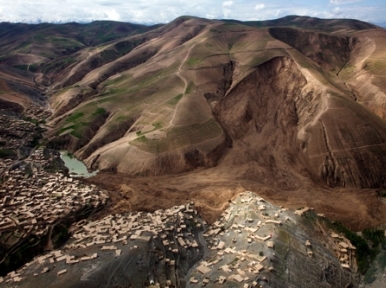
column 183, row 78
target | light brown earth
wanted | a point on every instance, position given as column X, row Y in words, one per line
column 212, row 192
column 202, row 93
column 293, row 109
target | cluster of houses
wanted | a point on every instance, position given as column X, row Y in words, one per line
column 138, row 226
column 240, row 243
column 37, row 112
column 344, row 250
column 173, row 228
column 15, row 133
column 29, row 204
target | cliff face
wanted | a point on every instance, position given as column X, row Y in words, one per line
column 330, row 52
column 261, row 115
column 278, row 120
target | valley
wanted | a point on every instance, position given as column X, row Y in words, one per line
column 205, row 137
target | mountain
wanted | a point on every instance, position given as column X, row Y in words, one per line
column 201, row 93
column 291, row 105
column 381, row 24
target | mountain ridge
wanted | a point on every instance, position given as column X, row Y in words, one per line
column 295, row 103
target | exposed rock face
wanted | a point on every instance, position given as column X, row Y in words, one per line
column 330, row 52
column 348, row 152
column 261, row 115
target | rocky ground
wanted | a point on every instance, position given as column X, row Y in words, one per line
column 248, row 242
column 257, row 244
column 133, row 249
column 181, row 141
column 211, row 189
column 253, row 244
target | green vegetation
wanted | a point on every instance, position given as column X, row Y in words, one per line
column 75, row 116
column 179, row 137
column 377, row 67
column 22, row 67
column 77, row 125
column 99, row 111
column 192, row 61
column 310, row 217
column 363, row 250
column 190, row 88
column 29, row 119
column 39, row 37
column 175, row 99
column 370, row 275
column 60, row 131
column 142, row 139
column 157, row 126
column 78, row 129
column 375, row 237
column 58, row 64
column 70, row 155
column 365, row 253
column 382, row 258
column 138, row 83
column 382, row 193
column 114, row 91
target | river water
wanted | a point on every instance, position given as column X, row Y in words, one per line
column 76, row 168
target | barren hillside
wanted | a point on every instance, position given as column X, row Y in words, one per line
column 292, row 105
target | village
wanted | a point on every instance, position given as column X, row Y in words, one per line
column 164, row 236
column 238, row 249
column 33, row 201
column 243, row 243
column 16, row 133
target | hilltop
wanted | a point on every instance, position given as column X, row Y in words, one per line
column 183, row 121
column 293, row 108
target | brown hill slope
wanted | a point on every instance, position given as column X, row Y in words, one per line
column 33, row 55
column 200, row 93
column 295, row 104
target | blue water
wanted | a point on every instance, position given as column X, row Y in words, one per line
column 76, row 166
